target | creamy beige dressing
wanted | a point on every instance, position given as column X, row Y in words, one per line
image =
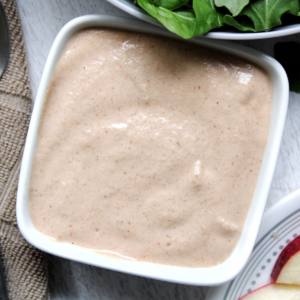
column 149, row 148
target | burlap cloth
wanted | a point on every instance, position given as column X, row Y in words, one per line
column 24, row 266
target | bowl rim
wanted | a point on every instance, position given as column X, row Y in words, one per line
column 276, row 214
column 278, row 31
column 194, row 276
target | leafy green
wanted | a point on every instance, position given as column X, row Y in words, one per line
column 205, row 15
column 169, row 4
column 186, row 22
column 264, row 14
column 189, row 13
column 234, row 6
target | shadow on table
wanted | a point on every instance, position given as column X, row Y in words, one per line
column 72, row 280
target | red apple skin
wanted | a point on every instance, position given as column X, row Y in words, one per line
column 242, row 298
column 291, row 249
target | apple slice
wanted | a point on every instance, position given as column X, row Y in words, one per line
column 274, row 291
column 287, row 266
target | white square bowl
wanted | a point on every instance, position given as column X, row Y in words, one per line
column 195, row 276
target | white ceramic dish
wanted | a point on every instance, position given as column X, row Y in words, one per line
column 280, row 225
column 130, row 8
column 195, row 276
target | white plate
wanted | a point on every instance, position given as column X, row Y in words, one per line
column 195, row 276
column 280, row 225
column 130, row 8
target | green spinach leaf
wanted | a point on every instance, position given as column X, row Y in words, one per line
column 234, row 6
column 169, row 4
column 186, row 23
column 263, row 14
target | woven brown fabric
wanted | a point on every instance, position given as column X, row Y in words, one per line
column 24, row 266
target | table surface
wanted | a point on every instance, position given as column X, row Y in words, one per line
column 42, row 20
